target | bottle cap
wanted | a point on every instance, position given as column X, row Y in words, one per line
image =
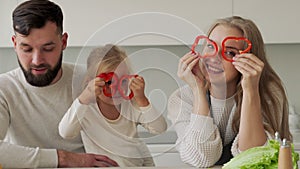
column 285, row 143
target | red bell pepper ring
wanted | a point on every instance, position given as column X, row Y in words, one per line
column 198, row 38
column 122, row 92
column 236, row 39
column 111, row 83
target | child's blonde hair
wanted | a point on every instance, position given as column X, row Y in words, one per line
column 102, row 59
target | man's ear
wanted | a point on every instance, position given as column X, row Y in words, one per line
column 64, row 40
column 14, row 40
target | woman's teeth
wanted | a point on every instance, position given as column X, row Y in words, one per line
column 212, row 69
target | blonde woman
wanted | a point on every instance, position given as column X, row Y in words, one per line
column 227, row 106
column 107, row 116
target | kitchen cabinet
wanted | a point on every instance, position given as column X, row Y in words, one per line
column 6, row 29
column 156, row 22
column 278, row 20
column 147, row 22
column 129, row 22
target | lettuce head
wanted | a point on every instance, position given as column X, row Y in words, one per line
column 263, row 157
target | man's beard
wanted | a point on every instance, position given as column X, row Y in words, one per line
column 41, row 80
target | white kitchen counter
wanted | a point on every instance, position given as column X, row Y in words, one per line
column 166, row 156
column 178, row 167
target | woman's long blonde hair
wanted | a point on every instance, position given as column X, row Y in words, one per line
column 271, row 88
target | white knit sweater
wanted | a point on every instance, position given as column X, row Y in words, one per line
column 201, row 138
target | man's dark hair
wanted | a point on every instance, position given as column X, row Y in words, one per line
column 35, row 14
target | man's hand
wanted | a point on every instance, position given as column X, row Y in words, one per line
column 68, row 159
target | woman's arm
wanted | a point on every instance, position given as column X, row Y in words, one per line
column 251, row 131
column 199, row 142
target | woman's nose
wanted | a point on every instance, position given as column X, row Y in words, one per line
column 217, row 58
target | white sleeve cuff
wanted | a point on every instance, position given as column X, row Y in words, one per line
column 199, row 122
column 48, row 158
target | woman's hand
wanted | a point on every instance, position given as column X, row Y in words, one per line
column 189, row 71
column 92, row 91
column 251, row 132
column 251, row 68
column 137, row 85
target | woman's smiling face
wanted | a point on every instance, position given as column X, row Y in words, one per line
column 220, row 71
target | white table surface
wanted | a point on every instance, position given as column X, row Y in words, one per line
column 172, row 167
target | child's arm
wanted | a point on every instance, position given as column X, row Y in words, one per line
column 148, row 116
column 152, row 120
column 137, row 85
column 69, row 127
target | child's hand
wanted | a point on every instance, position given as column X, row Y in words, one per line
column 137, row 85
column 92, row 91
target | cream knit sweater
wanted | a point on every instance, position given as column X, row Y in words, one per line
column 201, row 138
column 29, row 118
column 117, row 139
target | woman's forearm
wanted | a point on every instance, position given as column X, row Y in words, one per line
column 252, row 132
column 201, row 106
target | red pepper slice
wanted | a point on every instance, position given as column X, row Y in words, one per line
column 111, row 83
column 122, row 92
column 202, row 37
column 236, row 39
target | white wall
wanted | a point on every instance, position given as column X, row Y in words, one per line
column 160, row 66
column 158, row 63
column 284, row 58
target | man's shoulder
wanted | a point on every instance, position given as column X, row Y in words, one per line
column 75, row 74
column 12, row 75
column 12, row 81
column 68, row 66
column 73, row 68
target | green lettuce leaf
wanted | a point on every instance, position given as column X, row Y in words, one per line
column 263, row 157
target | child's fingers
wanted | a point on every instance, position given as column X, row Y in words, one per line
column 138, row 79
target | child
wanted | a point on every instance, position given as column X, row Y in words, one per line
column 109, row 109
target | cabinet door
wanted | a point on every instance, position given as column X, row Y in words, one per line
column 278, row 20
column 6, row 28
column 146, row 22
column 129, row 22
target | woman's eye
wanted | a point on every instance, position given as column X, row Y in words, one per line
column 210, row 46
column 230, row 54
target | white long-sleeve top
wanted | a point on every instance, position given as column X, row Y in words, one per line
column 201, row 138
column 118, row 139
column 29, row 117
